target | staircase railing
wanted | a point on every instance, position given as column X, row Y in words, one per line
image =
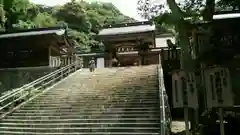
column 165, row 115
column 19, row 95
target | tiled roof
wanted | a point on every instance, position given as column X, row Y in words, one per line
column 33, row 32
column 127, row 30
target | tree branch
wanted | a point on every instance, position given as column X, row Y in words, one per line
column 176, row 11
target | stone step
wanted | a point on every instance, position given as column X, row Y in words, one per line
column 92, row 97
column 98, row 97
column 80, row 101
column 79, row 115
column 77, row 133
column 83, row 108
column 86, row 124
column 120, row 101
column 117, row 74
column 67, row 112
column 92, row 100
column 116, row 88
column 143, row 95
column 149, row 90
column 115, row 115
column 82, row 120
column 115, row 82
column 107, row 104
column 87, row 109
column 92, row 92
column 117, row 78
column 73, row 104
column 80, row 129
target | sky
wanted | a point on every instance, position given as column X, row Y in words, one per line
column 127, row 7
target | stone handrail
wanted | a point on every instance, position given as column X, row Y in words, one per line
column 9, row 100
column 165, row 115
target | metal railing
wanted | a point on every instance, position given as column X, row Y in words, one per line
column 165, row 115
column 9, row 100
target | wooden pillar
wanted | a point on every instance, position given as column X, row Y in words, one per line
column 65, row 61
column 139, row 60
column 162, row 56
column 49, row 56
column 110, row 59
column 143, row 59
column 68, row 59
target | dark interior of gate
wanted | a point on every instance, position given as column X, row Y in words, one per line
column 25, row 55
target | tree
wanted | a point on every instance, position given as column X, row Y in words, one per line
column 233, row 4
column 83, row 19
column 44, row 20
column 148, row 8
column 86, row 19
column 177, row 15
column 75, row 15
column 15, row 10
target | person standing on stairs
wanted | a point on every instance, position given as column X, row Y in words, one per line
column 92, row 64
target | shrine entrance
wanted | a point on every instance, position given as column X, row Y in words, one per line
column 128, row 60
column 128, row 44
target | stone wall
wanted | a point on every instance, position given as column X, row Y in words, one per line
column 17, row 77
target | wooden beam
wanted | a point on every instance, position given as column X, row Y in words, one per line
column 142, row 35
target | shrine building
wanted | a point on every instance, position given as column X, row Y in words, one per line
column 41, row 47
column 29, row 54
column 131, row 44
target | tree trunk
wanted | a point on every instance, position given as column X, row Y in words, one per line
column 186, row 61
column 209, row 10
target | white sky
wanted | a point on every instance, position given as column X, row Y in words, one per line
column 127, row 7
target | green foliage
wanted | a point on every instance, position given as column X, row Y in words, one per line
column 149, row 9
column 228, row 4
column 82, row 18
column 44, row 20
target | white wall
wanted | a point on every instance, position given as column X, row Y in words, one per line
column 161, row 41
column 100, row 63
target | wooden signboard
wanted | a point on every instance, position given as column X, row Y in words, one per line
column 218, row 87
column 184, row 90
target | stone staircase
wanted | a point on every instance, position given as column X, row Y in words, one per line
column 116, row 101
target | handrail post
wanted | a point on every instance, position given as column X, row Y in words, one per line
column 69, row 67
column 29, row 92
column 61, row 74
column 53, row 78
column 75, row 66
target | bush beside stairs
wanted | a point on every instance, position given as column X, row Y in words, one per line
column 110, row 101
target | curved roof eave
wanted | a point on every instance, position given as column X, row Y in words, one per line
column 58, row 32
column 127, row 30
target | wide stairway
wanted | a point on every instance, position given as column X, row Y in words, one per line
column 116, row 101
